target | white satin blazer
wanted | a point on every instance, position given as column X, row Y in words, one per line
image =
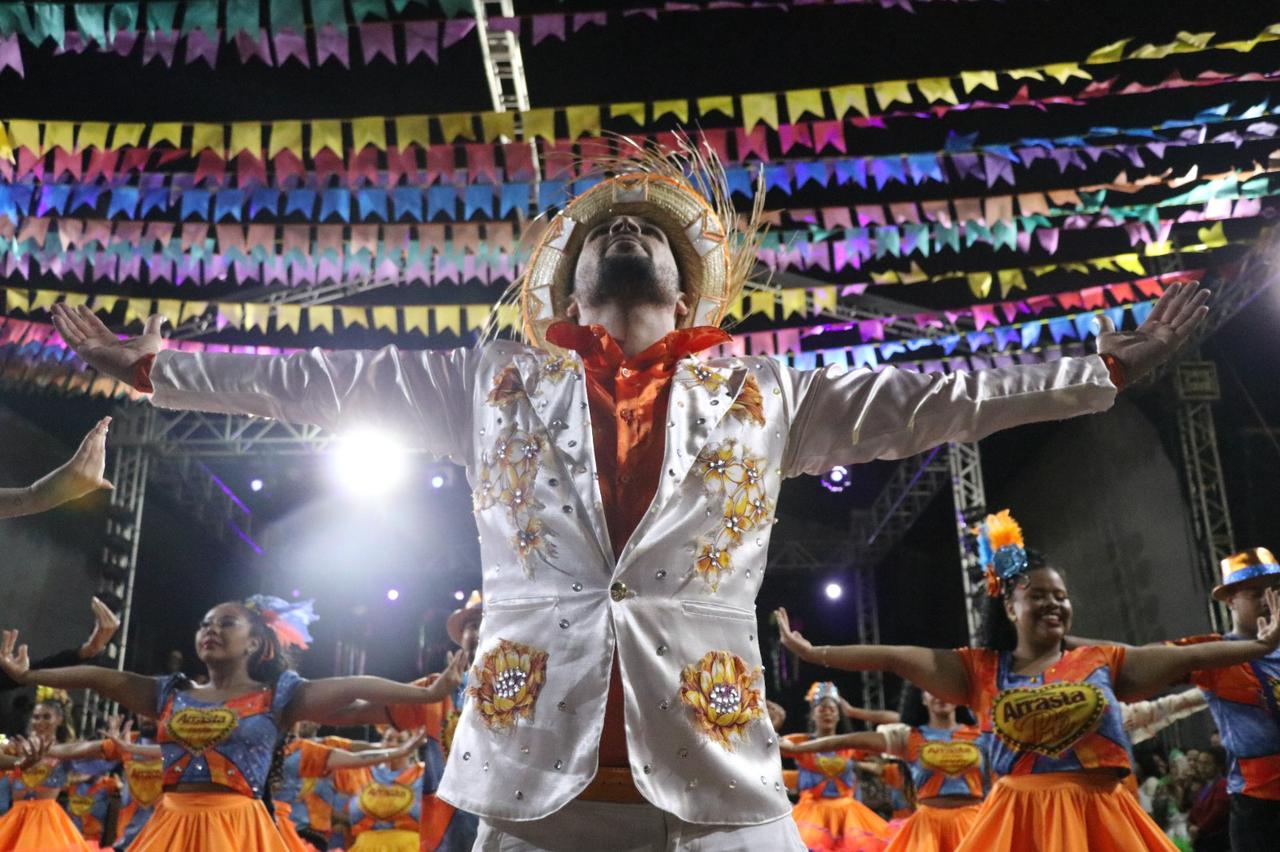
column 678, row 605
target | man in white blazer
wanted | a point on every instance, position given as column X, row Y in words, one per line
column 624, row 491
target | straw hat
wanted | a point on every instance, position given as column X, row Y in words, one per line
column 459, row 619
column 1255, row 567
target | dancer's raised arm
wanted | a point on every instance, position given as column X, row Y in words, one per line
column 134, row 692
column 81, row 474
column 364, row 699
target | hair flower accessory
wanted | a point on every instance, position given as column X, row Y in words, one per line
column 1001, row 550
column 822, row 690
column 289, row 621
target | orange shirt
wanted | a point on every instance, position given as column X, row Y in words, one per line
column 628, row 403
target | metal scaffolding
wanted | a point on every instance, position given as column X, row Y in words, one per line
column 969, row 497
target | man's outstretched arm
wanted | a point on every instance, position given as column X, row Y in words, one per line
column 82, row 474
column 860, row 415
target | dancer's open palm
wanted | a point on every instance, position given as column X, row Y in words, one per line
column 791, row 639
column 1168, row 326
column 1269, row 627
column 13, row 657
column 100, row 347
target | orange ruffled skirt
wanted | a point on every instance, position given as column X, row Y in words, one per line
column 288, row 831
column 386, row 840
column 935, row 829
column 40, row 825
column 209, row 822
column 839, row 825
column 1063, row 812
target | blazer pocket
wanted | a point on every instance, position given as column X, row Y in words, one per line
column 521, row 604
column 711, row 610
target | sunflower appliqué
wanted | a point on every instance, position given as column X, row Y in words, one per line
column 505, row 477
column 719, row 690
column 697, row 374
column 749, row 406
column 556, row 370
column 507, row 388
column 738, row 478
column 507, row 681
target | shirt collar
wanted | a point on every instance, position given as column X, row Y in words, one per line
column 598, row 349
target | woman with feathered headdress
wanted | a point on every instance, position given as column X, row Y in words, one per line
column 829, row 815
column 219, row 739
column 1058, row 747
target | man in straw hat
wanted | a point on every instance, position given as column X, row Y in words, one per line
column 1245, row 702
column 624, row 489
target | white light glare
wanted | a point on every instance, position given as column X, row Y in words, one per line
column 369, row 463
column 393, row 594
column 833, row 591
column 459, row 595
column 437, row 481
column 255, row 485
column 838, row 474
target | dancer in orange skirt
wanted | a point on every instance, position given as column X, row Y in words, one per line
column 828, row 814
column 36, row 821
column 385, row 815
column 218, row 739
column 88, row 802
column 1060, row 751
column 306, row 760
column 948, row 770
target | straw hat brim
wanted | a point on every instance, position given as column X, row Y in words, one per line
column 1262, row 581
column 459, row 619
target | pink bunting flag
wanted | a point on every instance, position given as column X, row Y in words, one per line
column 828, row 134
column 548, row 26
column 421, row 38
column 254, row 47
column 288, row 168
column 201, row 47
column 480, row 163
column 333, row 43
column 68, row 163
column 584, row 19
column 250, row 170
column 456, row 29
column 518, row 157
column 161, row 44
column 754, row 142
column 377, row 40
column 291, row 45
column 363, row 166
column 11, row 54
column 790, row 135
column 125, row 40
column 402, row 164
column 440, row 163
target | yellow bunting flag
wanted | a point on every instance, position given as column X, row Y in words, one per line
column 477, row 316
column 385, row 317
column 369, row 131
column 289, row 316
column 583, row 121
column 93, row 134
column 129, row 134
column 539, row 123
column 1064, row 71
column 354, row 316
column 192, row 309
column 325, row 134
column 761, row 302
column 1025, row 74
column 105, row 304
column 804, row 101
column 494, row 126
column 74, row 299
column 735, row 309
column 890, row 92
column 457, row 125
column 207, row 137
column 722, row 104
column 17, row 300
column 633, row 110
column 758, row 108
column 25, row 134
column 168, row 131
column 1113, row 52
column 137, row 310
column 44, row 299
column 1011, row 279
column 245, row 136
column 845, row 98
column 416, row 318
column 937, row 89
column 170, row 309
column 320, row 317
column 678, row 107
column 1212, row 236
column 412, row 129
column 284, row 136
column 972, row 80
column 232, row 313
column 448, row 318
column 794, row 302
column 824, row 299
column 59, row 134
column 6, row 147
column 979, row 284
column 508, row 315
column 1132, row 263
column 257, row 315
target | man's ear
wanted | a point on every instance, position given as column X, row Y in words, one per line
column 573, row 311
column 682, row 306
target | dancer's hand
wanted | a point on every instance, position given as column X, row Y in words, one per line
column 791, row 639
column 100, row 347
column 14, row 660
column 777, row 714
column 1269, row 627
column 31, row 750
column 791, row 747
column 451, row 678
column 409, row 747
column 1171, row 322
column 82, row 473
column 106, row 623
column 118, row 729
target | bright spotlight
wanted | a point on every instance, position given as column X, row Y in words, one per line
column 369, row 463
column 459, row 595
column 836, row 479
column 297, row 593
column 393, row 594
column 437, row 481
column 833, row 591
column 255, row 485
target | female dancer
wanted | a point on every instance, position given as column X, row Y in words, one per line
column 305, row 759
column 828, row 814
column 36, row 821
column 218, row 739
column 385, row 815
column 88, row 802
column 1060, row 749
column 947, row 766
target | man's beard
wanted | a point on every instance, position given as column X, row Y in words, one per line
column 629, row 280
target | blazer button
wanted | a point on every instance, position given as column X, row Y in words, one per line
column 618, row 591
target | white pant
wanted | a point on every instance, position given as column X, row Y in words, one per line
column 591, row 826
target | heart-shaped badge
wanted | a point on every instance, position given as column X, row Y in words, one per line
column 950, row 758
column 386, row 801
column 33, row 776
column 831, row 766
column 146, row 781
column 201, row 728
column 79, row 805
column 1047, row 719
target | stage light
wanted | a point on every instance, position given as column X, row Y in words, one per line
column 837, row 479
column 833, row 591
column 369, row 463
column 393, row 594
column 297, row 593
column 437, row 481
column 255, row 485
column 459, row 595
